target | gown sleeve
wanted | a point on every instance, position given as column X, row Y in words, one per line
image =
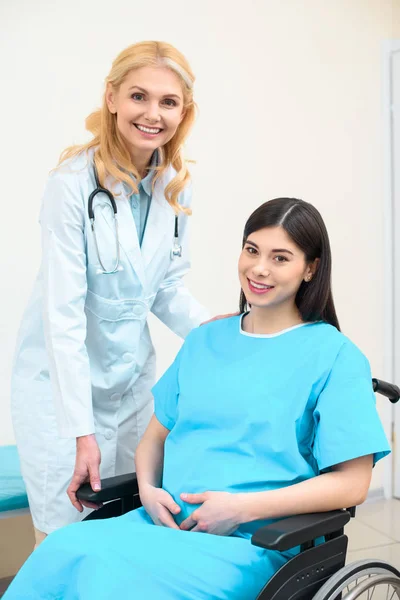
column 166, row 394
column 346, row 420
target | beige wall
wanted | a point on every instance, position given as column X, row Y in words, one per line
column 396, row 19
column 290, row 104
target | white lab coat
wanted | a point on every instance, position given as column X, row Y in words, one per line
column 84, row 361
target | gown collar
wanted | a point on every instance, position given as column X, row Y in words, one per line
column 267, row 335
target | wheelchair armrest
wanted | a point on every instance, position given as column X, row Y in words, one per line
column 111, row 489
column 300, row 529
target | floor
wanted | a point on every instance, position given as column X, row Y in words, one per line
column 16, row 543
column 375, row 532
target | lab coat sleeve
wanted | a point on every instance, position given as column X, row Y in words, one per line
column 64, row 294
column 174, row 305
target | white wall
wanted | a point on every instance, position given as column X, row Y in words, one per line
column 290, row 104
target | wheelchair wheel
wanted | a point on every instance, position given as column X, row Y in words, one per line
column 388, row 587
column 364, row 579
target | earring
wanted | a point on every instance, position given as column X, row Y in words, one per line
column 308, row 278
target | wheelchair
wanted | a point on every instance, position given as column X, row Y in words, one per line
column 317, row 572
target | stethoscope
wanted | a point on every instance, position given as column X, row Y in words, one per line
column 176, row 251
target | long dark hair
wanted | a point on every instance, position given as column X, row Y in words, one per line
column 304, row 225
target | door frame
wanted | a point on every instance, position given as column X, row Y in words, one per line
column 391, row 345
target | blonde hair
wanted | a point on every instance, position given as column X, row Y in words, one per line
column 111, row 155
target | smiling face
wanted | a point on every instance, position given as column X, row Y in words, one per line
column 272, row 268
column 149, row 106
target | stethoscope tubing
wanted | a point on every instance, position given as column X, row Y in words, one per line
column 176, row 249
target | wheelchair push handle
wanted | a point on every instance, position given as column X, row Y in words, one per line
column 390, row 390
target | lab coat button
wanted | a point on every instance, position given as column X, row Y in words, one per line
column 108, row 434
column 138, row 310
column 115, row 398
column 127, row 357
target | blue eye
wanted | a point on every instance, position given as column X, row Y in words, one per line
column 137, row 97
column 170, row 102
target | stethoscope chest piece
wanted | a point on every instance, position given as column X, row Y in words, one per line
column 176, row 251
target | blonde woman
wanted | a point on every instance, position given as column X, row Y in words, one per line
column 84, row 362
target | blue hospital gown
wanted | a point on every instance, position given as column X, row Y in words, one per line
column 246, row 413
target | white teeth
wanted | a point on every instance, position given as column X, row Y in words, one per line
column 259, row 286
column 148, row 129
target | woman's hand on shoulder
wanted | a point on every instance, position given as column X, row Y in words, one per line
column 218, row 317
column 159, row 505
column 219, row 513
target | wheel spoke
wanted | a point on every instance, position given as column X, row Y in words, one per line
column 392, row 596
column 373, row 591
column 367, row 588
column 363, row 579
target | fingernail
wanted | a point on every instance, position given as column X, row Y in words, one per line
column 96, row 487
column 184, row 496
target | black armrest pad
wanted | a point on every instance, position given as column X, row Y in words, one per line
column 294, row 531
column 111, row 488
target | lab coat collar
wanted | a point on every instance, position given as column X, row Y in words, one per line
column 146, row 182
column 127, row 233
column 160, row 223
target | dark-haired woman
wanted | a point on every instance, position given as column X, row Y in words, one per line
column 264, row 415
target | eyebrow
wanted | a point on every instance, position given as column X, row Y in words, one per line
column 146, row 92
column 274, row 249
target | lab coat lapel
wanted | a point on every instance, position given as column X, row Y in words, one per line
column 128, row 238
column 160, row 223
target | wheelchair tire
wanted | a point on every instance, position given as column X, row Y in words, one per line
column 351, row 574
